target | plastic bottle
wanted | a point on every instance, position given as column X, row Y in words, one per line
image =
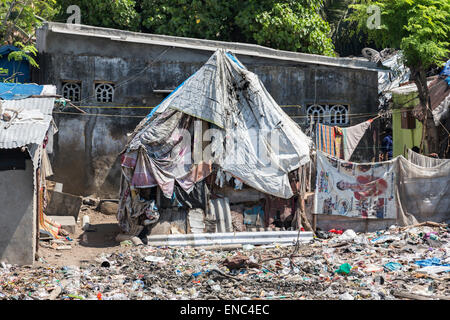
column 85, row 222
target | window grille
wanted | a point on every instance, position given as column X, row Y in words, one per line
column 104, row 92
column 72, row 91
column 328, row 114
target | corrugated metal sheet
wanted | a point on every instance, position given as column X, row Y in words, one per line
column 21, row 133
column 219, row 209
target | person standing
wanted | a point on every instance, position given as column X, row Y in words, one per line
column 387, row 145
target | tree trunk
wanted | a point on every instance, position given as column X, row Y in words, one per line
column 429, row 131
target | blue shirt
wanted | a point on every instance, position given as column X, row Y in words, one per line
column 387, row 145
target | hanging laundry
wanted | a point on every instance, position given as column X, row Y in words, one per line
column 351, row 137
column 325, row 139
column 330, row 140
column 338, row 142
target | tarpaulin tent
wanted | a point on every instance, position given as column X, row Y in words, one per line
column 251, row 138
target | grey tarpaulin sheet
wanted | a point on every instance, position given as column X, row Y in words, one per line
column 423, row 194
column 424, row 161
column 255, row 141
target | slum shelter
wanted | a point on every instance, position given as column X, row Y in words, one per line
column 217, row 155
column 408, row 116
column 26, row 132
column 399, row 191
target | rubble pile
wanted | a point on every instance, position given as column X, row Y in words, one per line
column 397, row 263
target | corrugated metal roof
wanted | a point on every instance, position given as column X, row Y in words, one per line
column 21, row 133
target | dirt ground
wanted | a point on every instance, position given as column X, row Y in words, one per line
column 86, row 246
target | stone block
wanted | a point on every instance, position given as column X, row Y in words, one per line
column 63, row 204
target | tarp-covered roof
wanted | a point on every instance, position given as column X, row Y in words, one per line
column 25, row 121
column 255, row 141
column 7, row 49
column 11, row 91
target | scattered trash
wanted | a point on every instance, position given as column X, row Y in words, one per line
column 373, row 268
column 346, row 296
column 126, row 243
column 348, row 235
column 63, row 248
column 86, row 223
column 430, row 262
column 239, row 261
column 434, row 269
column 344, row 269
column 396, row 263
column 392, row 266
column 154, row 259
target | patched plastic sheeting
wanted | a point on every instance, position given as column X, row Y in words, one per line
column 400, row 74
column 28, row 130
column 262, row 143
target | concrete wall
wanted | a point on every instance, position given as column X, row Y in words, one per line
column 17, row 218
column 86, row 146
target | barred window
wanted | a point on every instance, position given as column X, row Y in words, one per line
column 104, row 92
column 339, row 114
column 72, row 91
column 328, row 114
column 316, row 112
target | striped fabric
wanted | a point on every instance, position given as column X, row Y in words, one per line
column 325, row 139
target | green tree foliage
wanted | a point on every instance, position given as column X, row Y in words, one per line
column 289, row 25
column 345, row 40
column 18, row 22
column 19, row 18
column 421, row 29
column 206, row 19
column 294, row 25
column 117, row 14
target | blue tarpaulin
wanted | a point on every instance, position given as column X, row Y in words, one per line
column 17, row 71
column 446, row 70
column 14, row 91
column 430, row 262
